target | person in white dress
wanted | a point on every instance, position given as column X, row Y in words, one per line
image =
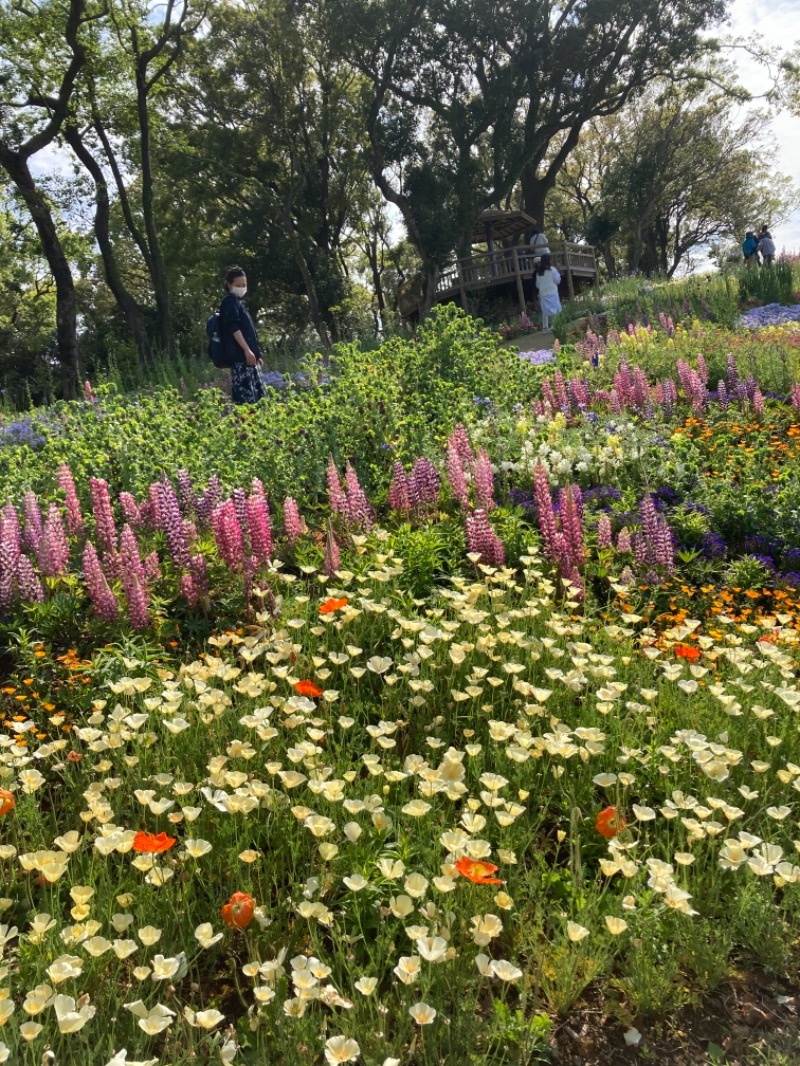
column 547, row 280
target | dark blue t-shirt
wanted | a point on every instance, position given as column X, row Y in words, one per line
column 234, row 315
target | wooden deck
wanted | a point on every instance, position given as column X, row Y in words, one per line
column 505, row 266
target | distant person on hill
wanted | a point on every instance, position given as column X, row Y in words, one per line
column 539, row 247
column 750, row 248
column 766, row 246
column 547, row 280
column 240, row 340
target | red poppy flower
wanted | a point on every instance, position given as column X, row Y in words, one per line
column 331, row 605
column 153, row 843
column 610, row 822
column 478, row 872
column 239, row 910
column 686, row 651
column 7, row 801
column 307, row 688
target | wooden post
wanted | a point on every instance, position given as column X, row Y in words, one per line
column 461, row 287
column 570, row 282
column 518, row 277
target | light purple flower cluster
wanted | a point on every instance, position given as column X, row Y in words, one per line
column 769, row 315
column 543, row 357
column 416, row 492
column 349, row 501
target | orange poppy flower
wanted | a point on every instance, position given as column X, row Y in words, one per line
column 331, row 605
column 610, row 822
column 153, row 843
column 686, row 651
column 239, row 910
column 478, row 872
column 307, row 688
column 7, row 801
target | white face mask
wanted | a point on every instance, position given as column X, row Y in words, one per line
column 239, row 290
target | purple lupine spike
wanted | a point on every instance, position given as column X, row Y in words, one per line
column 399, row 490
column 796, row 396
column 484, row 481
column 211, row 498
column 28, row 584
column 131, row 511
column 624, row 544
column 722, row 395
column 152, row 569
column 239, row 498
column 138, row 615
column 482, row 539
column 188, row 590
column 332, row 561
column 579, row 391
column 228, row 535
column 103, row 599
column 731, row 371
column 702, row 369
column 189, row 532
column 32, row 529
column 199, row 574
column 604, row 532
column 759, row 406
column 66, row 483
column 614, row 402
column 258, row 521
column 186, row 493
column 293, row 524
column 358, row 510
column 172, row 525
column 105, row 528
column 336, row 497
column 424, row 485
column 456, row 476
column 549, row 398
column 53, row 548
column 670, row 397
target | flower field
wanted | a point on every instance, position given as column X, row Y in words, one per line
column 400, row 717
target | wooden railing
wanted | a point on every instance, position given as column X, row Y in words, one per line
column 514, row 264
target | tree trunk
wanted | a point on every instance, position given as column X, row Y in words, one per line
column 126, row 303
column 158, row 270
column 429, row 282
column 308, row 281
column 66, row 311
column 534, row 194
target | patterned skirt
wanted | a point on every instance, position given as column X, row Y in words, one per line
column 246, row 386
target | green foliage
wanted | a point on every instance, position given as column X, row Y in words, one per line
column 772, row 284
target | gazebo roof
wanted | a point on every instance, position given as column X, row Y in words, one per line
column 503, row 224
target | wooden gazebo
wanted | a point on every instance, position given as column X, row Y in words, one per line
column 508, row 265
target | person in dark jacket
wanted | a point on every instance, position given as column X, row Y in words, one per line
column 240, row 340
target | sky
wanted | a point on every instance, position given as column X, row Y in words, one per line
column 778, row 23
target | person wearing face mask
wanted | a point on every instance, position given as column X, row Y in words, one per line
column 240, row 340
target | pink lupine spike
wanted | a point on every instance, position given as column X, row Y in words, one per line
column 336, row 497
column 484, row 481
column 399, row 490
column 105, row 528
column 332, row 558
column 103, row 599
column 66, row 483
column 53, row 552
column 32, row 529
column 293, row 525
column 258, row 520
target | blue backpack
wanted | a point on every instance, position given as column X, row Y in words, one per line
column 216, row 343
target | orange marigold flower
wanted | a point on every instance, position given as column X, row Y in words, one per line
column 153, row 843
column 239, row 910
column 686, row 651
column 610, row 822
column 307, row 688
column 331, row 605
column 478, row 872
column 7, row 801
